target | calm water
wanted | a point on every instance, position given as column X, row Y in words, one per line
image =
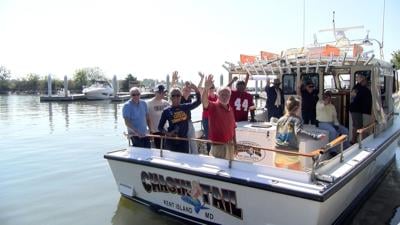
column 52, row 169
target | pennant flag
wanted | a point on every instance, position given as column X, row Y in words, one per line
column 357, row 49
column 323, row 51
column 268, row 55
column 247, row 58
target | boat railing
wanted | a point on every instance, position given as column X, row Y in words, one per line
column 364, row 130
column 277, row 66
column 315, row 155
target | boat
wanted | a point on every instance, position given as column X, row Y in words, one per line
column 249, row 189
column 99, row 90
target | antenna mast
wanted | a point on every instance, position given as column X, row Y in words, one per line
column 304, row 22
column 334, row 29
column 383, row 29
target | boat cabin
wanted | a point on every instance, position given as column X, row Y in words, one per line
column 336, row 74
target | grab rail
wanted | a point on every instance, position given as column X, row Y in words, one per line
column 363, row 130
column 314, row 155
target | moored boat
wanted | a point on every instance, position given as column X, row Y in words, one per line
column 99, row 90
column 250, row 189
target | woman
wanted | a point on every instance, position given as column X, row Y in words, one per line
column 289, row 127
column 177, row 116
column 327, row 120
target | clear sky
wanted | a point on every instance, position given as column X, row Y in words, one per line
column 151, row 38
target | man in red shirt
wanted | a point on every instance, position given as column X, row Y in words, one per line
column 241, row 101
column 221, row 121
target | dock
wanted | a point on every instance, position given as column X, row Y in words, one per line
column 120, row 97
column 56, row 98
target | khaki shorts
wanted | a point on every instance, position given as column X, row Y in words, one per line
column 225, row 151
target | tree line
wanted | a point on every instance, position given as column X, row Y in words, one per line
column 37, row 84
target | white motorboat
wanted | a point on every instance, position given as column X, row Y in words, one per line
column 99, row 90
column 249, row 189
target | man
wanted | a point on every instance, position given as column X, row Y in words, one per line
column 241, row 101
column 360, row 105
column 327, row 119
column 221, row 121
column 309, row 99
column 137, row 119
column 155, row 107
column 275, row 100
column 177, row 117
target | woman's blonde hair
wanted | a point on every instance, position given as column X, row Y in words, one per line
column 292, row 104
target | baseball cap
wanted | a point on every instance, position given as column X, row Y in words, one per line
column 160, row 88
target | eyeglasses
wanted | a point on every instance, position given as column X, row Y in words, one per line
column 175, row 96
column 135, row 94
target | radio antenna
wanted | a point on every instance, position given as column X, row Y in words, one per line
column 383, row 27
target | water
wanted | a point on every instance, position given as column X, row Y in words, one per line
column 52, row 169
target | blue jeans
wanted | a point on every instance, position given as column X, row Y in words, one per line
column 334, row 133
column 204, row 122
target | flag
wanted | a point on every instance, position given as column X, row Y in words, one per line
column 268, row 55
column 357, row 50
column 247, row 58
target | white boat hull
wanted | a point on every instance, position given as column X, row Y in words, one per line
column 249, row 193
column 98, row 93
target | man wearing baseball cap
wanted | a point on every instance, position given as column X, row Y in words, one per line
column 155, row 107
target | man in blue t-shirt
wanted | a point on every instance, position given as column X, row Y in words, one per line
column 136, row 116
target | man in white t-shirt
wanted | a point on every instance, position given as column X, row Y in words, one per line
column 155, row 107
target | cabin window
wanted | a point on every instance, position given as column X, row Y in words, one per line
column 329, row 82
column 344, row 81
column 289, row 84
column 395, row 81
column 382, row 81
column 314, row 77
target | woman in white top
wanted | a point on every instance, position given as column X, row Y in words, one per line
column 327, row 118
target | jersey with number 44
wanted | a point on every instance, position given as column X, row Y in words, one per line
column 241, row 102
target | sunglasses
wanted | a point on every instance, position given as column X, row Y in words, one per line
column 135, row 94
column 175, row 96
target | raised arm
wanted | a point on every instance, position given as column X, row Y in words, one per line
column 198, row 97
column 175, row 79
column 207, row 85
column 201, row 80
column 246, row 80
column 232, row 81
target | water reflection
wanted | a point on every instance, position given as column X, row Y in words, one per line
column 51, row 124
column 71, row 110
column 65, row 110
column 129, row 212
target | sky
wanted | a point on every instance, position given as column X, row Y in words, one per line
column 152, row 38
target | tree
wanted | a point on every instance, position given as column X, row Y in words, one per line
column 4, row 79
column 4, row 73
column 95, row 73
column 149, row 82
column 396, row 59
column 87, row 76
column 80, row 79
column 128, row 80
column 33, row 82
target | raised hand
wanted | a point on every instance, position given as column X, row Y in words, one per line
column 175, row 76
column 235, row 79
column 201, row 75
column 208, row 82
